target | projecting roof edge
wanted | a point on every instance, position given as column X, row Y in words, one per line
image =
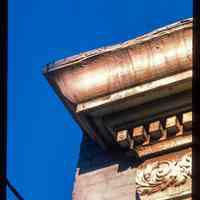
column 175, row 81
column 72, row 60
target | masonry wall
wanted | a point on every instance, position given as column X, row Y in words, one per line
column 103, row 175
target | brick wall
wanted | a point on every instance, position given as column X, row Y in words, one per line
column 103, row 175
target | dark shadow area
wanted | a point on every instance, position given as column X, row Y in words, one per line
column 92, row 157
column 137, row 196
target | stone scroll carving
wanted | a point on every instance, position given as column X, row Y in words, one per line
column 162, row 174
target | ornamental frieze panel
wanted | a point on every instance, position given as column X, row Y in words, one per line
column 160, row 175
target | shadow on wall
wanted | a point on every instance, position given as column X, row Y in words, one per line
column 111, row 172
column 137, row 196
column 92, row 158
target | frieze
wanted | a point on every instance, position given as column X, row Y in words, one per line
column 160, row 175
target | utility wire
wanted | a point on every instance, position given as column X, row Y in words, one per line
column 13, row 189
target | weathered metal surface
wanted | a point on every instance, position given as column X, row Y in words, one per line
column 108, row 89
column 152, row 111
column 139, row 94
column 153, row 56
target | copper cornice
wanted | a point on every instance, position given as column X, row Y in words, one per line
column 158, row 54
column 104, row 88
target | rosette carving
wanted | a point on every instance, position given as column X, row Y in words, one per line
column 162, row 174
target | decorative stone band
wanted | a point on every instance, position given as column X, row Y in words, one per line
column 162, row 134
column 160, row 175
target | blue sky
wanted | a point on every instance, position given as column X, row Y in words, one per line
column 43, row 140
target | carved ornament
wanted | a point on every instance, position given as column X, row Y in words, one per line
column 160, row 175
